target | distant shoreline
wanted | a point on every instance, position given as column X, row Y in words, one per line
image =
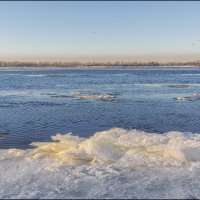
column 102, row 67
column 98, row 65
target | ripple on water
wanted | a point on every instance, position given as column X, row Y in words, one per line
column 3, row 132
column 177, row 86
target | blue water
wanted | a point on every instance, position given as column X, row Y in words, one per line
column 38, row 103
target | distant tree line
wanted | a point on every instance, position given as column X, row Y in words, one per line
column 96, row 64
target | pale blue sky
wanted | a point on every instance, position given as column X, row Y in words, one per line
column 99, row 30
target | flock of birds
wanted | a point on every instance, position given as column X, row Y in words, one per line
column 193, row 44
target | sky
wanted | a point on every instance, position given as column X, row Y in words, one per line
column 100, row 31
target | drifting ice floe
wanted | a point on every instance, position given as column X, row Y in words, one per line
column 194, row 97
column 46, row 75
column 106, row 97
column 16, row 93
